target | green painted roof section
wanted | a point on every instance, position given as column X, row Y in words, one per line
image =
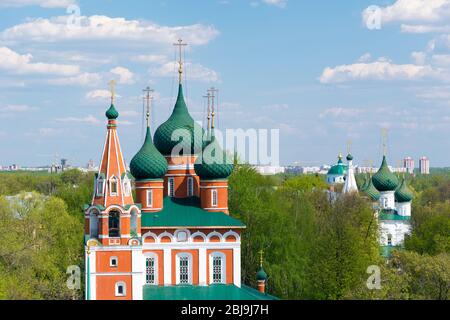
column 392, row 216
column 148, row 163
column 212, row 292
column 112, row 113
column 186, row 212
column 214, row 162
column 349, row 157
column 98, row 207
column 403, row 193
column 384, row 179
column 189, row 134
column 261, row 274
column 339, row 169
column 371, row 191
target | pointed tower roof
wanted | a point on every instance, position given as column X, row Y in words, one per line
column 403, row 193
column 371, row 191
column 384, row 179
column 112, row 167
column 350, row 181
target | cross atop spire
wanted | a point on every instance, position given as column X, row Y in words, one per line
column 212, row 94
column 180, row 45
column 384, row 137
column 261, row 254
column 208, row 110
column 349, row 146
column 112, row 86
column 148, row 97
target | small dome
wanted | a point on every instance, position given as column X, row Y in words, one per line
column 403, row 193
column 384, row 179
column 338, row 169
column 261, row 275
column 148, row 163
column 214, row 163
column 371, row 191
column 112, row 113
column 191, row 133
column 349, row 157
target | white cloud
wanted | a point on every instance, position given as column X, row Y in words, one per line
column 407, row 28
column 419, row 57
column 366, row 57
column 150, row 58
column 16, row 108
column 99, row 94
column 193, row 71
column 379, row 70
column 95, row 28
column 90, row 119
column 41, row 3
column 338, row 112
column 276, row 3
column 16, row 63
column 84, row 79
column 441, row 59
column 125, row 75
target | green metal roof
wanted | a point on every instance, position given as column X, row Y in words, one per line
column 392, row 216
column 403, row 193
column 112, row 113
column 214, row 162
column 148, row 163
column 186, row 212
column 340, row 168
column 189, row 135
column 371, row 191
column 384, row 179
column 261, row 274
column 212, row 292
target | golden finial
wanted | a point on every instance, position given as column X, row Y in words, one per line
column 261, row 254
column 148, row 97
column 384, row 136
column 212, row 94
column 208, row 116
column 112, row 87
column 180, row 45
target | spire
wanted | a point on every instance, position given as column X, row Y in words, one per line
column 112, row 113
column 212, row 94
column 350, row 181
column 180, row 45
column 149, row 98
column 208, row 117
column 261, row 275
column 261, row 258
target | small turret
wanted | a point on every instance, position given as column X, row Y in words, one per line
column 261, row 275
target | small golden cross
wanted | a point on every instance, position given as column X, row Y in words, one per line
column 112, row 86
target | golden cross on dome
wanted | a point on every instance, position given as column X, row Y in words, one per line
column 180, row 45
column 384, row 137
column 148, row 97
column 349, row 146
column 112, row 88
column 261, row 254
column 212, row 94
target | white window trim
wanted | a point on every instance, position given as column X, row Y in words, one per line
column 170, row 187
column 120, row 283
column 154, row 256
column 190, row 187
column 189, row 256
column 102, row 189
column 223, row 268
column 214, row 196
column 111, row 262
column 149, row 192
column 111, row 181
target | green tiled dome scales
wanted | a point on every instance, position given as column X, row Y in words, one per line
column 384, row 179
column 403, row 193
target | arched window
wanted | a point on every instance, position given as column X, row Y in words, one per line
column 114, row 224
column 214, row 198
column 113, row 262
column 190, row 187
column 170, row 187
column 151, row 269
column 121, row 289
column 133, row 223
column 100, row 187
column 217, row 265
column 113, row 186
column 93, row 224
column 184, row 268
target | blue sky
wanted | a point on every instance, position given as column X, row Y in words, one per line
column 312, row 69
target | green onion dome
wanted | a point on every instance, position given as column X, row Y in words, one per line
column 214, row 163
column 365, row 184
column 403, row 193
column 148, row 163
column 384, row 179
column 371, row 191
column 189, row 137
column 261, row 275
column 112, row 113
column 349, row 157
column 339, row 169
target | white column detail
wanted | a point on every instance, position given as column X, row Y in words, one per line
column 202, row 266
column 237, row 266
column 167, row 267
column 93, row 278
column 138, row 275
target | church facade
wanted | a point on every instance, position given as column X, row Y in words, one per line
column 175, row 239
